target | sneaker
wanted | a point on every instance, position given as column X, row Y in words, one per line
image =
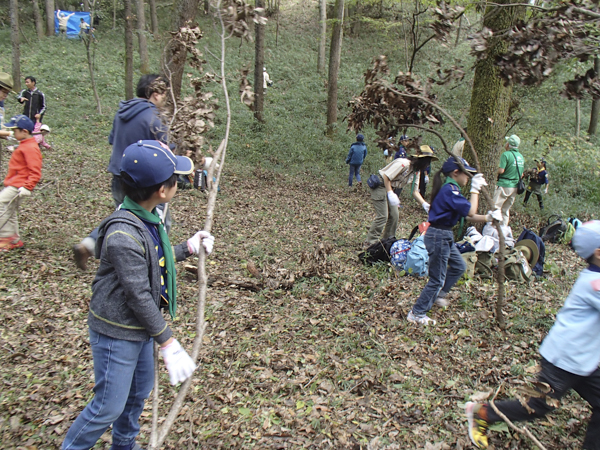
column 10, row 243
column 81, row 255
column 477, row 426
column 441, row 302
column 424, row 320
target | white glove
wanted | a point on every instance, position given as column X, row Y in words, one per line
column 178, row 362
column 497, row 215
column 385, row 152
column 477, row 182
column 204, row 237
column 426, row 207
column 393, row 198
column 24, row 192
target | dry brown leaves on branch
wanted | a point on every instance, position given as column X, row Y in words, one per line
column 246, row 91
column 236, row 16
column 444, row 16
column 381, row 105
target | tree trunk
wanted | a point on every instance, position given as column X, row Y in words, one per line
column 490, row 99
column 153, row 17
column 114, row 14
column 334, row 66
column 141, row 31
column 578, row 119
column 90, row 49
column 128, row 50
column 86, row 6
column 37, row 18
column 458, row 29
column 595, row 103
column 14, row 38
column 259, row 61
column 322, row 35
column 176, row 55
column 49, row 17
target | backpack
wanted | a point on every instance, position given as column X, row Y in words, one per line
column 554, row 230
column 374, row 181
column 377, row 252
column 538, row 269
column 417, row 258
column 484, row 264
column 568, row 234
column 398, row 253
column 516, row 266
column 574, row 221
column 470, row 259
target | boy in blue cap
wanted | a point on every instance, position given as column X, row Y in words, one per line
column 135, row 279
column 570, row 353
column 446, row 265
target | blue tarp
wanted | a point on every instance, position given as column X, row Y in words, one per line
column 73, row 23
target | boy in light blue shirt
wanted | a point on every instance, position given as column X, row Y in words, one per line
column 570, row 353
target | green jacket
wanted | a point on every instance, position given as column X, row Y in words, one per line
column 510, row 161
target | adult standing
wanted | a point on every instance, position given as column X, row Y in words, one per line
column 395, row 175
column 33, row 100
column 63, row 20
column 355, row 158
column 510, row 171
column 137, row 119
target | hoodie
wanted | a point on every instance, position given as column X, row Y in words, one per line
column 357, row 154
column 137, row 119
column 126, row 290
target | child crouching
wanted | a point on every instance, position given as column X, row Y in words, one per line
column 570, row 353
column 136, row 276
column 447, row 206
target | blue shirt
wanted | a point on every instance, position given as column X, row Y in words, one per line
column 401, row 153
column 449, row 205
column 573, row 343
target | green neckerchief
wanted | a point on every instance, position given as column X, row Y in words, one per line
column 152, row 217
column 450, row 180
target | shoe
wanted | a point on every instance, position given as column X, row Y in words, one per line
column 81, row 255
column 420, row 320
column 441, row 301
column 10, row 243
column 477, row 426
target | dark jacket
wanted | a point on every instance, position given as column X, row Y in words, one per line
column 357, row 154
column 126, row 291
column 137, row 119
column 35, row 103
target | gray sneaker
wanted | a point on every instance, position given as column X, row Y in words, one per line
column 422, row 320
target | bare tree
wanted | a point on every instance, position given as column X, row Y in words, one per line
column 141, row 31
column 49, row 17
column 259, row 61
column 322, row 35
column 595, row 103
column 14, row 38
column 334, row 65
column 153, row 17
column 37, row 18
column 128, row 50
column 90, row 48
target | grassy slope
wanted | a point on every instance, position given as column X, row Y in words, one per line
column 330, row 363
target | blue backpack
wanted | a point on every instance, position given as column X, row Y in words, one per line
column 398, row 253
column 417, row 258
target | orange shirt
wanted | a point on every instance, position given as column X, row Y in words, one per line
column 25, row 165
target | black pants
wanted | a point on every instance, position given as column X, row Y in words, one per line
column 539, row 197
column 561, row 382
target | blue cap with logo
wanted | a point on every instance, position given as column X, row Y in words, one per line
column 149, row 163
column 450, row 165
column 20, row 121
column 587, row 238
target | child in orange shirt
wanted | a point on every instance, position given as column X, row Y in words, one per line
column 24, row 172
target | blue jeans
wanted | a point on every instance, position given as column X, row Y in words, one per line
column 124, row 373
column 354, row 171
column 446, row 266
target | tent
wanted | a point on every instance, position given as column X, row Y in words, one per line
column 73, row 23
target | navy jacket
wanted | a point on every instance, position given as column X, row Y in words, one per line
column 357, row 154
column 137, row 119
column 538, row 269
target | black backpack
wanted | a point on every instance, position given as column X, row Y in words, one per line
column 554, row 230
column 377, row 252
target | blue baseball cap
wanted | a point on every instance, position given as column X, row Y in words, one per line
column 450, row 165
column 587, row 238
column 149, row 163
column 360, row 137
column 20, row 121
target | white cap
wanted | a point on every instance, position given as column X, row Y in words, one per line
column 587, row 238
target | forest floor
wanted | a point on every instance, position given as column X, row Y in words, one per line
column 328, row 361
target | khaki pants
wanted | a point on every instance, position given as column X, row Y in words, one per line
column 9, row 207
column 385, row 216
column 504, row 198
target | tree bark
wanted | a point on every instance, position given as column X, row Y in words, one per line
column 490, row 99
column 141, row 31
column 322, row 35
column 49, row 17
column 578, row 119
column 595, row 103
column 334, row 65
column 153, row 17
column 91, row 53
column 184, row 10
column 114, row 14
column 37, row 18
column 259, row 61
column 14, row 39
column 128, row 50
column 86, row 6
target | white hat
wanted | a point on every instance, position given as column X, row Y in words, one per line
column 45, row 128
